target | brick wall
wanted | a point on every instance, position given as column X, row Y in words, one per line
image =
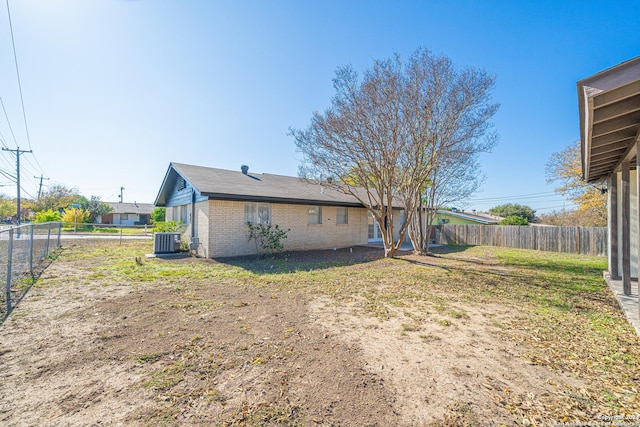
column 202, row 227
column 227, row 233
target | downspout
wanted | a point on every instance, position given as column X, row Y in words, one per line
column 193, row 213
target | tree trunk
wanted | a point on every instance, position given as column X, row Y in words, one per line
column 427, row 239
column 416, row 232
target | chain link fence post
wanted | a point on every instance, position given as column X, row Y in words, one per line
column 9, row 266
column 31, row 249
column 46, row 247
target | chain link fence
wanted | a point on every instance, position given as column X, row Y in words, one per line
column 22, row 252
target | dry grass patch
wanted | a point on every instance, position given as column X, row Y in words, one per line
column 469, row 336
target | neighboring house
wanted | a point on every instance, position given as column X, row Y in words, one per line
column 609, row 104
column 462, row 218
column 128, row 214
column 216, row 204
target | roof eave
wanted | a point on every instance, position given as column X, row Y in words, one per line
column 586, row 156
column 604, row 81
column 268, row 199
column 161, row 198
column 157, row 201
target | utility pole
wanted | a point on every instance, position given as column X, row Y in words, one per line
column 121, row 189
column 18, row 151
column 40, row 188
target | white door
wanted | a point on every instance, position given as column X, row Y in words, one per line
column 374, row 230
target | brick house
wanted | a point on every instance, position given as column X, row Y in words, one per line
column 128, row 214
column 215, row 205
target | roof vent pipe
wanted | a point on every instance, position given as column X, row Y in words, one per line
column 244, row 169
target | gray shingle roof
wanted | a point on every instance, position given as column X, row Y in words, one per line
column 131, row 208
column 234, row 185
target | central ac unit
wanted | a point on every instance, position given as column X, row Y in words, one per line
column 166, row 243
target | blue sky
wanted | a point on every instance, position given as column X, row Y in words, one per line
column 114, row 90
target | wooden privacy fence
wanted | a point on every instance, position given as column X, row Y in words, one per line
column 573, row 240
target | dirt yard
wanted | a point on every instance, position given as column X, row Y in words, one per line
column 333, row 338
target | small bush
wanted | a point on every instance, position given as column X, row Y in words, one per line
column 268, row 238
column 48, row 216
column 514, row 220
column 168, row 227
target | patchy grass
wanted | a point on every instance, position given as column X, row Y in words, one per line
column 559, row 314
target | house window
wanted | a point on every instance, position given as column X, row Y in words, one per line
column 124, row 217
column 314, row 215
column 183, row 214
column 257, row 213
column 342, row 215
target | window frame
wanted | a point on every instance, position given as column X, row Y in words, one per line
column 184, row 214
column 253, row 215
column 344, row 217
column 314, row 218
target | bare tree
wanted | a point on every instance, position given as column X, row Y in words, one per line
column 454, row 118
column 451, row 181
column 396, row 132
column 358, row 142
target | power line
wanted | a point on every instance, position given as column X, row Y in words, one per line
column 537, row 202
column 24, row 110
column 15, row 58
column 552, row 207
column 4, row 159
column 8, row 175
column 9, row 123
column 29, row 195
column 2, row 139
column 515, row 197
column 33, row 166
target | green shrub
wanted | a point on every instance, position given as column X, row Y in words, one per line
column 514, row 220
column 158, row 215
column 48, row 216
column 168, row 227
column 268, row 238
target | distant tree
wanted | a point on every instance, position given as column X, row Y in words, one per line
column 401, row 129
column 514, row 209
column 56, row 198
column 571, row 217
column 95, row 206
column 565, row 167
column 159, row 214
column 8, row 207
column 75, row 215
column 514, row 220
column 48, row 216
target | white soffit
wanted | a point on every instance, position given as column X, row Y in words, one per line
column 609, row 104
